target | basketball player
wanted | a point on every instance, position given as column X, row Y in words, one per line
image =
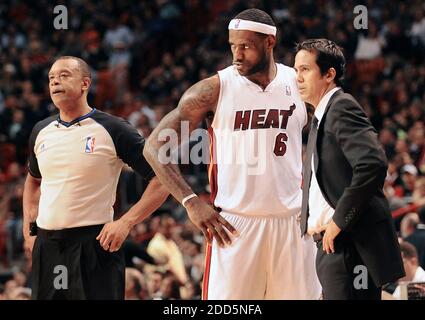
column 257, row 110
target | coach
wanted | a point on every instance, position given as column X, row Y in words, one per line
column 344, row 208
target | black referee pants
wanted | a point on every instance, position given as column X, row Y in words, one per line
column 70, row 264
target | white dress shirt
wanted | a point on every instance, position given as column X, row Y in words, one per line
column 320, row 212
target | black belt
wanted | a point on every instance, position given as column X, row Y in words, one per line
column 70, row 233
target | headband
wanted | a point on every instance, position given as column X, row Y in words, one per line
column 238, row 24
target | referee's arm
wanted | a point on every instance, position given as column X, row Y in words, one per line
column 31, row 199
column 153, row 197
column 114, row 233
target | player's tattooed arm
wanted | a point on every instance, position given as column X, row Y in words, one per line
column 193, row 107
column 197, row 102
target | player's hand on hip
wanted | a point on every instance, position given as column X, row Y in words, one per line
column 211, row 223
column 113, row 234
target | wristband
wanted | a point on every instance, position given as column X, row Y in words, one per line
column 186, row 199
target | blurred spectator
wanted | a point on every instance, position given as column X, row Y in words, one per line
column 408, row 224
column 154, row 284
column 20, row 278
column 165, row 250
column 409, row 174
column 170, row 288
column 417, row 32
column 190, row 291
column 135, row 285
column 118, row 39
column 14, row 224
column 20, row 293
column 419, row 197
column 9, row 287
column 370, row 47
column 414, row 273
column 413, row 231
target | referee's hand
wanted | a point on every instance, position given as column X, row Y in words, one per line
column 113, row 234
column 29, row 244
column 211, row 223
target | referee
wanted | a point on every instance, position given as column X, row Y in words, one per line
column 75, row 161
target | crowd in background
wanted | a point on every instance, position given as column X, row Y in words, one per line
column 145, row 54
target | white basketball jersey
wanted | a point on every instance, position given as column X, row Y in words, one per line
column 256, row 145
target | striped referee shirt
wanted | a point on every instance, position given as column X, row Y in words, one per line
column 79, row 164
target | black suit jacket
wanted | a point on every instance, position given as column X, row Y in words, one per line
column 351, row 170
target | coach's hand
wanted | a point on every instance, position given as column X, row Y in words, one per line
column 332, row 230
column 113, row 235
column 211, row 223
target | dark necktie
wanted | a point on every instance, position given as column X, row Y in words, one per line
column 311, row 147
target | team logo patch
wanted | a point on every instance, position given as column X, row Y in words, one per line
column 90, row 141
column 288, row 90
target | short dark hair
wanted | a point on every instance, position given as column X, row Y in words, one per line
column 408, row 250
column 82, row 65
column 255, row 15
column 328, row 55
